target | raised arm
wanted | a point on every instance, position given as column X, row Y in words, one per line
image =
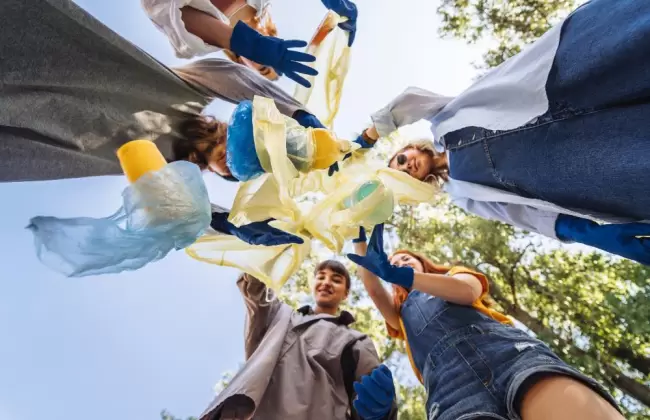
column 261, row 306
column 463, row 289
column 412, row 105
column 518, row 215
column 379, row 295
column 235, row 83
column 193, row 27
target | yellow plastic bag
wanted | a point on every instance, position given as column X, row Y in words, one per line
column 334, row 219
column 330, row 47
column 273, row 265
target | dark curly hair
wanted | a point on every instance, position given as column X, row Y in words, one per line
column 198, row 130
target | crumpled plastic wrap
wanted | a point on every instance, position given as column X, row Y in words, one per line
column 163, row 210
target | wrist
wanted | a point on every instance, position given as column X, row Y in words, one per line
column 404, row 276
column 244, row 39
column 364, row 141
column 220, row 223
column 371, row 134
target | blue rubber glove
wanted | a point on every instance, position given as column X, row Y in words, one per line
column 256, row 233
column 376, row 261
column 307, row 120
column 346, row 9
column 361, row 142
column 619, row 239
column 362, row 236
column 274, row 52
column 375, row 394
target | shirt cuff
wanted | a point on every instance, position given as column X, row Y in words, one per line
column 384, row 123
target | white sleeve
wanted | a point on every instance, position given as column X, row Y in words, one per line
column 524, row 217
column 412, row 105
column 166, row 15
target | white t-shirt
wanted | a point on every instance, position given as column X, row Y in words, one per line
column 166, row 15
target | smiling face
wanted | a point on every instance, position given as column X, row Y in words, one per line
column 330, row 286
column 406, row 260
column 414, row 162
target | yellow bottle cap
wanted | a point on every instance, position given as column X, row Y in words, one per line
column 138, row 157
column 327, row 149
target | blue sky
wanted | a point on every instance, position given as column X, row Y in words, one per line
column 127, row 346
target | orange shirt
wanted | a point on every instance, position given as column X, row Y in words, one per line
column 401, row 294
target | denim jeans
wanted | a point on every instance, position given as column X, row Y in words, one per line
column 473, row 366
column 591, row 150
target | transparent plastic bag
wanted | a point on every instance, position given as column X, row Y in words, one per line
column 329, row 45
column 163, row 210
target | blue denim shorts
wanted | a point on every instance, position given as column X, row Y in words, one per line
column 485, row 372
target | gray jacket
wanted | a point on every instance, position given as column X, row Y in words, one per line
column 293, row 363
column 72, row 92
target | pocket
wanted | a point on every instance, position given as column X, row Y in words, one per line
column 456, row 355
column 420, row 310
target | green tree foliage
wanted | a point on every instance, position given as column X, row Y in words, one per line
column 510, row 24
column 164, row 415
column 591, row 309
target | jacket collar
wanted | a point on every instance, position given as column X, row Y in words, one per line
column 345, row 318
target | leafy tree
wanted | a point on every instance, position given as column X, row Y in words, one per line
column 510, row 24
column 590, row 308
column 164, row 415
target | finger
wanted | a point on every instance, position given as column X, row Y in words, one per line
column 299, row 56
column 385, row 370
column 358, row 260
column 298, row 79
column 297, row 67
column 377, row 239
column 272, row 239
column 295, row 43
column 351, row 36
column 333, row 169
column 347, row 26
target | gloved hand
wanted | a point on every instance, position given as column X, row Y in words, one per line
column 274, row 52
column 307, row 120
column 346, row 9
column 256, row 233
column 375, row 394
column 376, row 261
column 619, row 239
column 360, row 141
column 362, row 236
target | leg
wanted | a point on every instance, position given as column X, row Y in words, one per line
column 598, row 162
column 602, row 58
column 564, row 398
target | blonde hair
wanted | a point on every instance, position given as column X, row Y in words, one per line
column 439, row 172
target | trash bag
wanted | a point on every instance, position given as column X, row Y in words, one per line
column 163, row 210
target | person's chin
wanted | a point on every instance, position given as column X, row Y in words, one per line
column 325, row 303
